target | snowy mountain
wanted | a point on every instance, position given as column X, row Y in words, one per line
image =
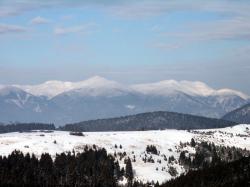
column 95, row 98
column 240, row 115
column 169, row 144
column 203, row 100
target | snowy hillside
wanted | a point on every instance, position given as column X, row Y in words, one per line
column 238, row 136
column 132, row 144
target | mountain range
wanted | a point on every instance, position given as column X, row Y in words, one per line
column 95, row 98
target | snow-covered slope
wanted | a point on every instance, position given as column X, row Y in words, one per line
column 133, row 143
column 237, row 136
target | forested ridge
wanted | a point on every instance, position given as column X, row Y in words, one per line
column 143, row 121
column 149, row 121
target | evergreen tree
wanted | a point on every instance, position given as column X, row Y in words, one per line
column 192, row 143
column 129, row 171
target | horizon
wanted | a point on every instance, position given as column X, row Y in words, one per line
column 129, row 42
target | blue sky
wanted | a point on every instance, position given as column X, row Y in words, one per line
column 127, row 41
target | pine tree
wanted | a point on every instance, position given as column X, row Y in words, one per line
column 193, row 142
column 129, row 171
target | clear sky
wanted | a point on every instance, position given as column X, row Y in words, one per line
column 128, row 41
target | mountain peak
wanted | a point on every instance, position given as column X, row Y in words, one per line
column 99, row 86
column 166, row 87
column 97, row 79
column 226, row 91
column 53, row 82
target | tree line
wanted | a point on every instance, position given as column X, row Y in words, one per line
column 23, row 127
column 92, row 168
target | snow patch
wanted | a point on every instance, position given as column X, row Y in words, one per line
column 38, row 109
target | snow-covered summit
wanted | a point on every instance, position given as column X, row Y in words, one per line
column 54, row 87
column 195, row 88
column 230, row 92
column 172, row 86
column 98, row 86
column 49, row 88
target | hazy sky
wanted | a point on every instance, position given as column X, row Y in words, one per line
column 128, row 41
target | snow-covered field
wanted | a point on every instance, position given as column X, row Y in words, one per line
column 238, row 136
column 133, row 143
